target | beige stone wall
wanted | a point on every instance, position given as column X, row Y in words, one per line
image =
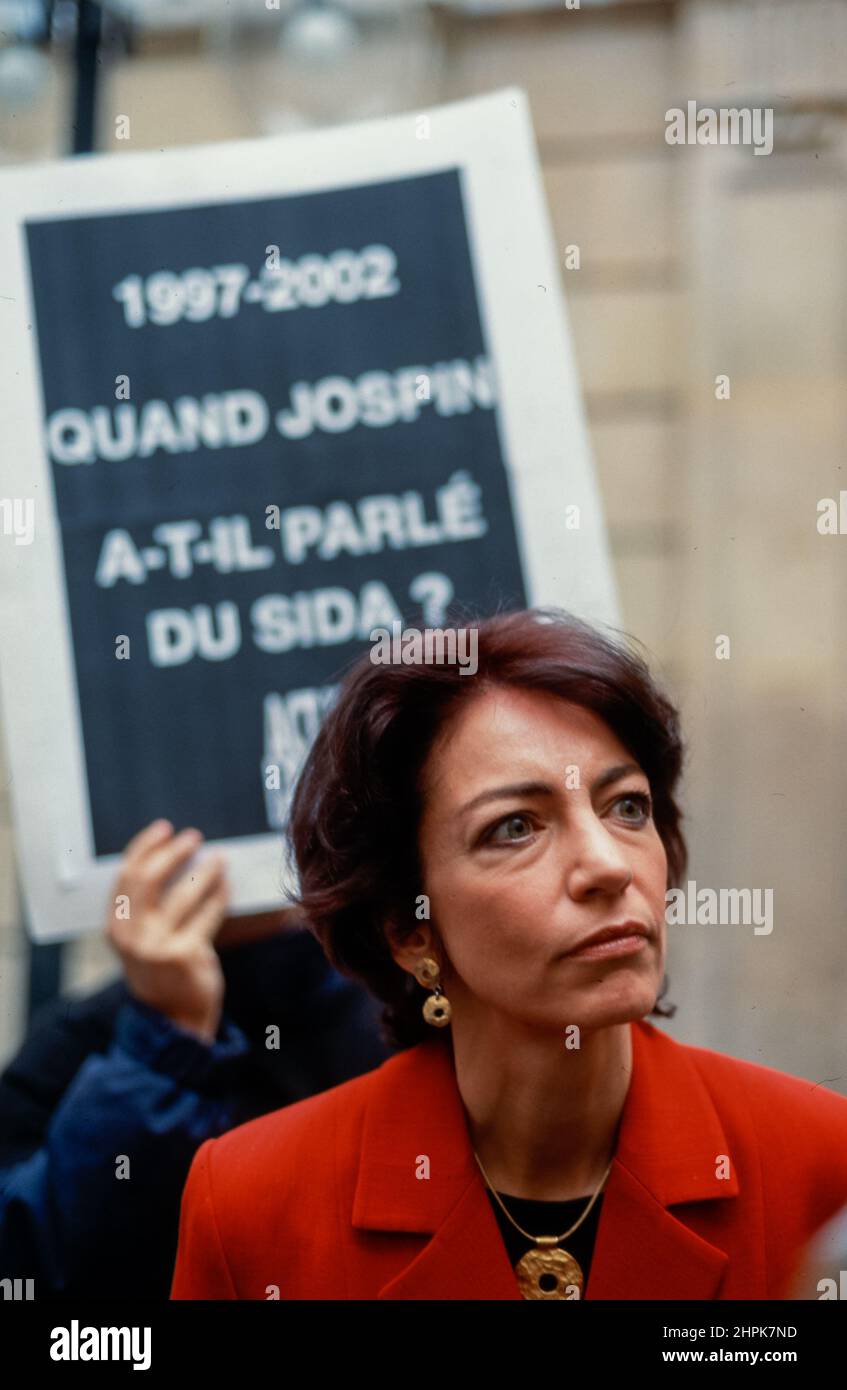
column 694, row 262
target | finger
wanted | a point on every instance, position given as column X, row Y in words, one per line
column 182, row 900
column 139, row 846
column 149, row 875
column 152, row 834
column 206, row 922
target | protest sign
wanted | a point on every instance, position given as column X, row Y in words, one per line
column 258, row 400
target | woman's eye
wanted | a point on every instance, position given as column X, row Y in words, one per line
column 509, row 830
column 642, row 802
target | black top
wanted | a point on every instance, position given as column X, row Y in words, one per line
column 549, row 1219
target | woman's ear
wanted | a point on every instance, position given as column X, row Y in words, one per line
column 408, row 950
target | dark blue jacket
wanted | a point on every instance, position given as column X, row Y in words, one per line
column 105, row 1079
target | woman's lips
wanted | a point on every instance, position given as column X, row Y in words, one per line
column 628, row 944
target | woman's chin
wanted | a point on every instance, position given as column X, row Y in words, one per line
column 611, row 1002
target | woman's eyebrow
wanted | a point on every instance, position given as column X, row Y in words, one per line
column 518, row 789
column 614, row 774
column 513, row 789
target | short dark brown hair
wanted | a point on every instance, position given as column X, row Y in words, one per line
column 355, row 814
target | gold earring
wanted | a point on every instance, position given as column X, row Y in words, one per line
column 436, row 1009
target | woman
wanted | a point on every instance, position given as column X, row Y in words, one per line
column 490, row 856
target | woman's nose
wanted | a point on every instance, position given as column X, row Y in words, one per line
column 596, row 861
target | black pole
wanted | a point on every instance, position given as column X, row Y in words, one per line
column 87, row 61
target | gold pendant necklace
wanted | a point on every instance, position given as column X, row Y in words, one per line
column 547, row 1271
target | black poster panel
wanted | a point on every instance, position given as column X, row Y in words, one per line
column 272, row 428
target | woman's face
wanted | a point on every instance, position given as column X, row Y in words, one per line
column 536, row 833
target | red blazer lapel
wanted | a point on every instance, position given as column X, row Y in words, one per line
column 466, row 1258
column 669, row 1140
column 669, row 1143
column 415, row 1123
column 643, row 1251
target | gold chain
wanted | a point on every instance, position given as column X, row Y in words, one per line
column 528, row 1234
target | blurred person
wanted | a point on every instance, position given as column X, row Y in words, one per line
column 491, row 856
column 110, row 1095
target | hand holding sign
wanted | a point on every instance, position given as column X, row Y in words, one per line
column 163, row 930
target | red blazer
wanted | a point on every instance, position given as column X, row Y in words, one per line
column 321, row 1200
